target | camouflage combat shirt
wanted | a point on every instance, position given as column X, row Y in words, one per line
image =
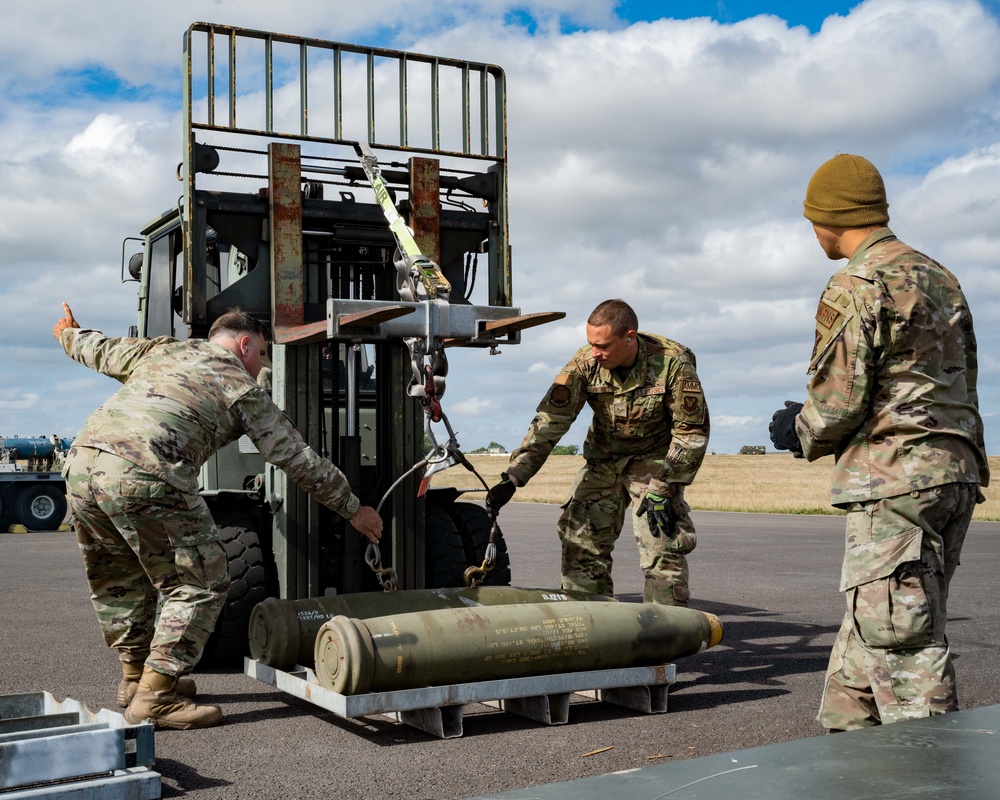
column 657, row 411
column 181, row 402
column 893, row 388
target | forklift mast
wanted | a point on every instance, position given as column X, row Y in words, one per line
column 297, row 152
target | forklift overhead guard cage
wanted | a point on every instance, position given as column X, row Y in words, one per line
column 242, row 86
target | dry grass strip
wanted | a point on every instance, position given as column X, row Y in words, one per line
column 772, row 483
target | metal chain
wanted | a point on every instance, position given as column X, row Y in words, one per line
column 475, row 575
column 386, row 576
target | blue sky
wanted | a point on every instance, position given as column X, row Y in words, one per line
column 810, row 13
column 89, row 81
column 674, row 150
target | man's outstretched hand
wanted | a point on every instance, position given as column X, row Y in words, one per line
column 500, row 495
column 366, row 520
column 68, row 321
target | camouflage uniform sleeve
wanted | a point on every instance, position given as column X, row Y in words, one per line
column 553, row 417
column 842, row 365
column 113, row 357
column 281, row 444
column 689, row 428
column 971, row 380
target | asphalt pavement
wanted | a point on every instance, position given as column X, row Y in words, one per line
column 771, row 579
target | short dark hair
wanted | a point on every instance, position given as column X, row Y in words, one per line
column 616, row 313
column 236, row 321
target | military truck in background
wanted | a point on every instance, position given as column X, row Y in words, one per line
column 32, row 489
column 293, row 208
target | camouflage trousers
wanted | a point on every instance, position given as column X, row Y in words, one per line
column 146, row 544
column 593, row 518
column 891, row 659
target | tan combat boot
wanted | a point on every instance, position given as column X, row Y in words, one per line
column 156, row 699
column 132, row 672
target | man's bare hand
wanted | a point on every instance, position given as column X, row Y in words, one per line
column 367, row 521
column 68, row 321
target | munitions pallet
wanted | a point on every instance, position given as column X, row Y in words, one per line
column 438, row 710
column 61, row 750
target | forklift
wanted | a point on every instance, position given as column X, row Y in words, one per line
column 368, row 251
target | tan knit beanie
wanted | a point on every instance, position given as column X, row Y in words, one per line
column 846, row 192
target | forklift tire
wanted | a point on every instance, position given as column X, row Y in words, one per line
column 473, row 524
column 40, row 507
column 249, row 585
column 444, row 552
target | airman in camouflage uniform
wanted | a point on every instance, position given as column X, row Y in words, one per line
column 893, row 398
column 132, row 483
column 647, row 439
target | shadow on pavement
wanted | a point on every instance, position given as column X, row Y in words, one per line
column 758, row 649
column 177, row 778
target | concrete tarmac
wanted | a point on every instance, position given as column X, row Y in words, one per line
column 772, row 580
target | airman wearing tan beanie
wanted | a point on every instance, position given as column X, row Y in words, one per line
column 893, row 398
column 846, row 192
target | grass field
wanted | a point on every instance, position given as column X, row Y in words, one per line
column 774, row 483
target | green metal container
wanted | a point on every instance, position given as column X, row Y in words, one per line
column 460, row 645
column 283, row 632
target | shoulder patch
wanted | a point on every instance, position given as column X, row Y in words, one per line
column 831, row 319
column 691, row 404
column 827, row 315
column 564, row 378
column 559, row 396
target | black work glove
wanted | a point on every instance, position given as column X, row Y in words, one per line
column 661, row 516
column 782, row 428
column 499, row 495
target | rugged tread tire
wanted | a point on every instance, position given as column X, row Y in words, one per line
column 40, row 507
column 249, row 585
column 444, row 550
column 473, row 525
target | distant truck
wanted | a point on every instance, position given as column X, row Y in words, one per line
column 752, row 450
column 32, row 489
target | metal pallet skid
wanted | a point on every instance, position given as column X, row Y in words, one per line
column 60, row 749
column 438, row 710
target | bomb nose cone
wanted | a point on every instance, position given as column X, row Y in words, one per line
column 716, row 629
